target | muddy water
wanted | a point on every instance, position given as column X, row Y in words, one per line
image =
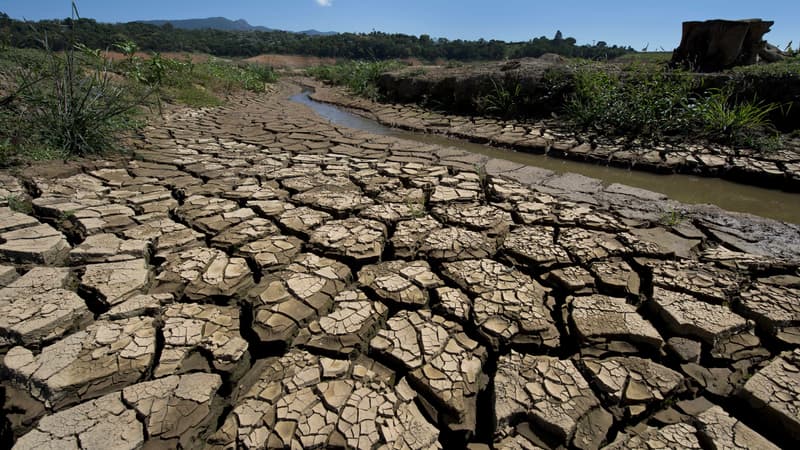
column 684, row 188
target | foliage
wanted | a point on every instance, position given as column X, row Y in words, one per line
column 672, row 217
column 648, row 101
column 725, row 119
column 20, row 205
column 251, row 77
column 721, row 116
column 787, row 67
column 360, row 77
column 642, row 100
column 57, row 104
column 195, row 96
column 67, row 102
column 644, row 57
column 501, row 100
column 369, row 46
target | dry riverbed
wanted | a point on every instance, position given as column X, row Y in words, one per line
column 256, row 277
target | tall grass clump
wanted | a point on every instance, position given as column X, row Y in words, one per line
column 359, row 77
column 724, row 118
column 503, row 99
column 66, row 103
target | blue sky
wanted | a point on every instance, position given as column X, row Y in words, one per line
column 624, row 22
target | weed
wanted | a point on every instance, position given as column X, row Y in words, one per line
column 787, row 67
column 360, row 77
column 71, row 105
column 480, row 170
column 500, row 101
column 417, row 209
column 196, row 96
column 652, row 103
column 20, row 205
column 642, row 101
column 737, row 122
column 66, row 215
column 672, row 218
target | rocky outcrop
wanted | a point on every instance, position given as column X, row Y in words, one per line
column 714, row 45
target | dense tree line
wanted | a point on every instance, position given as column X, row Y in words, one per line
column 375, row 45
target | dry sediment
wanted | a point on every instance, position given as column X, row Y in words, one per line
column 259, row 278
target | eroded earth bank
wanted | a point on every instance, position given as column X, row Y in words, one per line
column 256, row 277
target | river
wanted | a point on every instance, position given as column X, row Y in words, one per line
column 728, row 195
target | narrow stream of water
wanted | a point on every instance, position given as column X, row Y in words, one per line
column 684, row 188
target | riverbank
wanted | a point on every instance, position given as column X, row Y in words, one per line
column 778, row 169
column 688, row 189
column 269, row 279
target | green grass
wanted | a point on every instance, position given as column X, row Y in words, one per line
column 194, row 96
column 19, row 205
column 724, row 117
column 787, row 67
column 672, row 217
column 502, row 100
column 61, row 104
column 359, row 77
column 651, row 102
column 644, row 57
column 641, row 100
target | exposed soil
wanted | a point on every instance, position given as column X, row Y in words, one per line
column 255, row 277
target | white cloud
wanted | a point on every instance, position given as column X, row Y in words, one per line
column 325, row 2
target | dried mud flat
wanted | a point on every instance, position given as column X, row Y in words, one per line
column 258, row 278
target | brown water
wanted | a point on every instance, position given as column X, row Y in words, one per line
column 683, row 188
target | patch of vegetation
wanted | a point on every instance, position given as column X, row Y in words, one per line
column 502, row 100
column 195, row 96
column 359, row 77
column 20, row 205
column 787, row 67
column 76, row 102
column 672, row 218
column 644, row 57
column 653, row 103
column 190, row 83
column 724, row 118
column 66, row 103
column 363, row 46
column 643, row 101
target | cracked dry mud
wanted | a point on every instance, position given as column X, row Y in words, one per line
column 259, row 278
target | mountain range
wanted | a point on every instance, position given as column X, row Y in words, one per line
column 222, row 23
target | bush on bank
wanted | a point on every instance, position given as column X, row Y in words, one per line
column 637, row 100
column 79, row 102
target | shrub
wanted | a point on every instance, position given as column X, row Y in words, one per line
column 501, row 100
column 75, row 106
column 359, row 77
column 66, row 103
column 725, row 119
column 643, row 101
column 653, row 103
column 720, row 115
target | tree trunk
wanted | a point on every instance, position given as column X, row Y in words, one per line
column 716, row 45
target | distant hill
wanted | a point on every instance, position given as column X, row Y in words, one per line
column 222, row 23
